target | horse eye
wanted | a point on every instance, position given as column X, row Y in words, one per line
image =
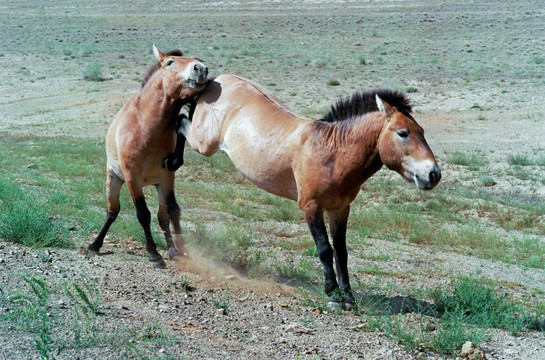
column 403, row 133
column 170, row 62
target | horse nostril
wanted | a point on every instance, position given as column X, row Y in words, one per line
column 435, row 176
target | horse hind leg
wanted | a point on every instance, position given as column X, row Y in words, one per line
column 174, row 216
column 113, row 187
column 144, row 217
column 169, row 212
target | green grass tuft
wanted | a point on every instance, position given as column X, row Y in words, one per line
column 519, row 159
column 27, row 218
column 481, row 306
column 93, row 72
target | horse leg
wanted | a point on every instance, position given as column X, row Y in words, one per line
column 176, row 159
column 144, row 217
column 113, row 186
column 169, row 212
column 337, row 227
column 315, row 221
column 174, row 215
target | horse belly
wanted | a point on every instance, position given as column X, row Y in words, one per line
column 269, row 174
column 262, row 156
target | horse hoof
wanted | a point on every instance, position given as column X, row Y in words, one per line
column 334, row 306
column 347, row 306
column 173, row 253
column 88, row 251
column 159, row 263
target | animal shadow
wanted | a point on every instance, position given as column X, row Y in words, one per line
column 396, row 305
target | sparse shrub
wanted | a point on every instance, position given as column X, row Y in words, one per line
column 333, row 82
column 223, row 301
column 93, row 72
column 362, row 60
column 31, row 313
column 411, row 89
column 488, row 180
column 318, row 64
column 86, row 52
column 453, row 331
column 86, row 300
column 519, row 159
column 473, row 160
column 538, row 60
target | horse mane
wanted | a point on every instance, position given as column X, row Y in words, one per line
column 363, row 102
column 152, row 70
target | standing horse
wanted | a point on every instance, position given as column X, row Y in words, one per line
column 140, row 137
column 320, row 164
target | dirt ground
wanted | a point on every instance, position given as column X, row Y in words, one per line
column 42, row 93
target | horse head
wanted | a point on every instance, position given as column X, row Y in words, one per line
column 183, row 77
column 403, row 148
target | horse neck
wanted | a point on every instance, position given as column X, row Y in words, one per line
column 355, row 141
column 153, row 103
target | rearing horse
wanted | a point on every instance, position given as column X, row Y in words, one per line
column 320, row 164
column 140, row 137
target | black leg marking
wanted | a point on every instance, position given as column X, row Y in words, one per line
column 144, row 217
column 325, row 252
column 99, row 240
column 341, row 261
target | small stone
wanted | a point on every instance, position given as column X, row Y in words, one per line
column 467, row 348
column 221, row 311
column 471, row 352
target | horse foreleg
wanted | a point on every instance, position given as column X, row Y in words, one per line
column 315, row 221
column 113, row 187
column 144, row 217
column 337, row 226
column 176, row 159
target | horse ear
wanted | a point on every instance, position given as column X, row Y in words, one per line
column 158, row 53
column 385, row 108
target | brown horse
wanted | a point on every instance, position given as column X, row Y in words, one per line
column 320, row 164
column 140, row 137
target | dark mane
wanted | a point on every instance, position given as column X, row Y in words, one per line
column 152, row 70
column 363, row 102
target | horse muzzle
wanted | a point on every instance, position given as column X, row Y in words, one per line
column 428, row 180
column 197, row 76
column 426, row 174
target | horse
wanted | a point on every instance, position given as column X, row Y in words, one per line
column 141, row 135
column 322, row 163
